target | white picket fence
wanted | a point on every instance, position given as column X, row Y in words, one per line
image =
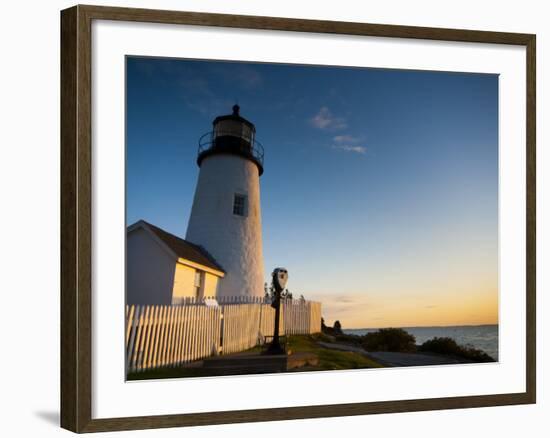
column 164, row 336
column 301, row 317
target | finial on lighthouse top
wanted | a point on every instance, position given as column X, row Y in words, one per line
column 232, row 135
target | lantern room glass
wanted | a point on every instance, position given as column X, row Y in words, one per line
column 234, row 128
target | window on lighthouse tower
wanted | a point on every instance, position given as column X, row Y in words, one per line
column 239, row 205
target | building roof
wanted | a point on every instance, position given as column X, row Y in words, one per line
column 182, row 248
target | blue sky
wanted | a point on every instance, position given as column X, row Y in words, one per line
column 380, row 191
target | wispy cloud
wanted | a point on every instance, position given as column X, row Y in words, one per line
column 199, row 96
column 346, row 307
column 248, row 77
column 339, row 139
column 351, row 148
column 345, row 299
column 324, row 119
column 349, row 143
column 200, row 93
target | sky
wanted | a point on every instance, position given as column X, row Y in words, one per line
column 380, row 187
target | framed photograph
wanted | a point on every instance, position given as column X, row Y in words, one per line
column 268, row 218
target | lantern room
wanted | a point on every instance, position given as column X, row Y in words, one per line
column 232, row 134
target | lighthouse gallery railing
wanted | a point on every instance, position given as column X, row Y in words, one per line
column 247, row 146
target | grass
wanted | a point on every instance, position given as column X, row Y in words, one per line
column 328, row 360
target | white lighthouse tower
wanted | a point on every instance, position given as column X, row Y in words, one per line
column 226, row 215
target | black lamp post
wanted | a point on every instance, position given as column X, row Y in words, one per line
column 280, row 278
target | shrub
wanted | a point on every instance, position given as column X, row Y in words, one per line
column 332, row 331
column 449, row 346
column 389, row 339
column 324, row 327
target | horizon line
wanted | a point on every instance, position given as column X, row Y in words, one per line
column 421, row 326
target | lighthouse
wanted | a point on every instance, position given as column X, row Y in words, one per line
column 226, row 215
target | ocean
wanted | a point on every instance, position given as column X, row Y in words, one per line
column 482, row 337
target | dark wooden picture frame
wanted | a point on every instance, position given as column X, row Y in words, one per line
column 76, row 218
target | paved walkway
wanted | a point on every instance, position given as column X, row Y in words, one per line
column 392, row 359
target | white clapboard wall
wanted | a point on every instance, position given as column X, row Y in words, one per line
column 168, row 336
